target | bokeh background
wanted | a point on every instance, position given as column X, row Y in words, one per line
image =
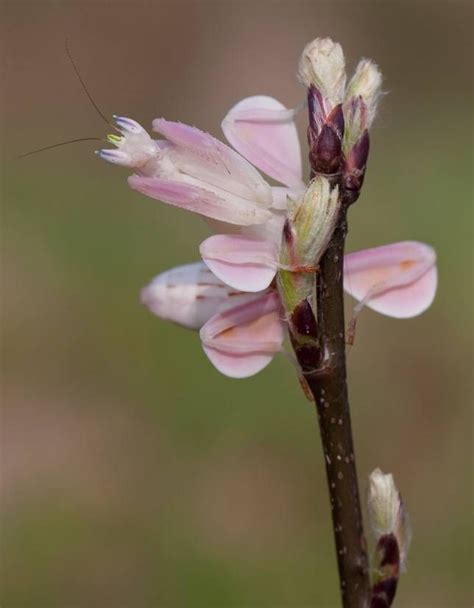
column 133, row 474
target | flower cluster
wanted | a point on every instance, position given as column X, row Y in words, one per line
column 231, row 296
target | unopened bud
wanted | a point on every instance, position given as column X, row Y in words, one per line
column 325, row 140
column 360, row 106
column 353, row 168
column 322, row 65
column 387, row 515
column 312, row 218
column 304, row 336
column 366, row 84
column 309, row 226
column 322, row 70
column 361, row 100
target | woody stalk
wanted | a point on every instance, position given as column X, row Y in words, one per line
column 339, row 120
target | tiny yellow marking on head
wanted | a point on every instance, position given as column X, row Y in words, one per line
column 114, row 139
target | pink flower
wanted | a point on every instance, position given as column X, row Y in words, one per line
column 236, row 307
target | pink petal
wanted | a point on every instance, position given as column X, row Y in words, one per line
column 263, row 131
column 199, row 200
column 398, row 280
column 204, row 157
column 243, row 340
column 244, row 263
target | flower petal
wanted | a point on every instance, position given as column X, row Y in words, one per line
column 398, row 280
column 204, row 157
column 199, row 200
column 243, row 340
column 244, row 263
column 263, row 131
column 190, row 295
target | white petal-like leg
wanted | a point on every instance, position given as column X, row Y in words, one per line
column 243, row 340
column 242, row 262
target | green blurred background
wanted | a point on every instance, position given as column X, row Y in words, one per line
column 133, row 474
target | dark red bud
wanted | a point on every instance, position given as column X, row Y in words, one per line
column 309, row 357
column 325, row 133
column 354, row 167
column 360, row 151
column 336, row 120
column 388, row 547
column 304, row 337
column 325, row 156
column 383, row 593
column 303, row 320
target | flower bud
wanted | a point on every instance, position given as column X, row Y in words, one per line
column 309, row 226
column 353, row 167
column 325, row 139
column 322, row 66
column 360, row 105
column 304, row 336
column 390, row 527
column 314, row 219
column 322, row 70
column 311, row 220
column 366, row 84
column 361, row 100
column 387, row 515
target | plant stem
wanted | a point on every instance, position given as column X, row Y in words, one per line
column 328, row 385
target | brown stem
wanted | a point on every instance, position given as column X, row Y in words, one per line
column 320, row 346
column 328, row 385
